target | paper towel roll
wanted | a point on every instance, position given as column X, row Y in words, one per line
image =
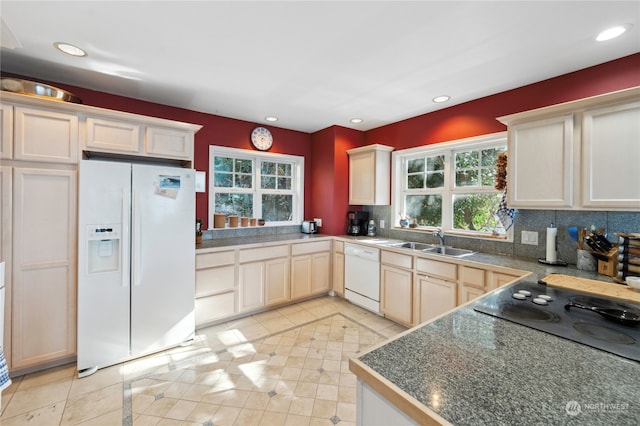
column 552, row 233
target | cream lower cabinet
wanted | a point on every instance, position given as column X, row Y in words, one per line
column 437, row 287
column 263, row 277
column 338, row 267
column 215, row 286
column 437, row 296
column 43, row 293
column 498, row 279
column 472, row 283
column 396, row 286
column 310, row 268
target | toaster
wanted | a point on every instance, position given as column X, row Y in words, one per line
column 309, row 227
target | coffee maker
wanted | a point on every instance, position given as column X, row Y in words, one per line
column 357, row 222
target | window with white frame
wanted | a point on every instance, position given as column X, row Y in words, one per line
column 450, row 185
column 256, row 184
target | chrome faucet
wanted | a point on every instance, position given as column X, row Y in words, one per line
column 440, row 235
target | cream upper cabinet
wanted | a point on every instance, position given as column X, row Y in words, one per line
column 370, row 175
column 611, row 157
column 6, row 131
column 137, row 138
column 45, row 135
column 113, row 136
column 540, row 163
column 580, row 155
column 169, row 143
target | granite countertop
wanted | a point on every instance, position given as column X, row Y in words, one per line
column 471, row 368
column 217, row 243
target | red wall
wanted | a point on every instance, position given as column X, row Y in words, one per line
column 326, row 162
column 216, row 130
column 478, row 117
column 330, row 171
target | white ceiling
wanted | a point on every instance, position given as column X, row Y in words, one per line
column 313, row 64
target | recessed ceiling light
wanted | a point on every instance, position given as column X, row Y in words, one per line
column 356, row 120
column 440, row 99
column 271, row 118
column 613, row 32
column 70, row 49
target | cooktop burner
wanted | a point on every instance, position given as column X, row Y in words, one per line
column 542, row 308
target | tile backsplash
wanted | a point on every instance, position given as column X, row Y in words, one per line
column 525, row 220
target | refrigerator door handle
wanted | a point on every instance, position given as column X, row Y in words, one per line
column 136, row 254
column 124, row 247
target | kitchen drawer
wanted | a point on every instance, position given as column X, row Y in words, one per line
column 444, row 270
column 208, row 260
column 472, row 276
column 215, row 307
column 215, row 280
column 396, row 259
column 263, row 253
column 307, row 248
column 338, row 246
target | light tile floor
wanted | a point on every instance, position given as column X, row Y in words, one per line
column 283, row 367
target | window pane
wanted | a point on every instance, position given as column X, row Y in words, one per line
column 415, row 166
column 467, row 178
column 268, row 182
column 243, row 181
column 415, row 181
column 467, row 160
column 435, row 163
column 223, row 180
column 426, row 209
column 488, row 177
column 244, row 166
column 277, row 207
column 268, row 168
column 223, row 164
column 435, row 180
column 284, row 183
column 240, row 204
column 475, row 212
column 284, row 169
column 489, row 157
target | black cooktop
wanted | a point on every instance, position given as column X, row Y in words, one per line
column 542, row 308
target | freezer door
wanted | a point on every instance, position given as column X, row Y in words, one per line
column 162, row 257
column 103, row 263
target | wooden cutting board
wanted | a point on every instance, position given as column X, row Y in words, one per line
column 599, row 288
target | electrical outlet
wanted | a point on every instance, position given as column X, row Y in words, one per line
column 381, row 223
column 318, row 222
column 529, row 237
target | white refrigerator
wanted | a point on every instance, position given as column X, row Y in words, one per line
column 136, row 261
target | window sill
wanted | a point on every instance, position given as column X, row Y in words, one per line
column 507, row 238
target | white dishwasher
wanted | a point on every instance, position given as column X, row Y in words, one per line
column 362, row 276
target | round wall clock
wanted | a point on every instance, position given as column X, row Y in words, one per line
column 261, row 138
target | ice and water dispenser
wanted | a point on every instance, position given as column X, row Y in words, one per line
column 103, row 248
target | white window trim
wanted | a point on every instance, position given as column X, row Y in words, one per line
column 448, row 149
column 297, row 179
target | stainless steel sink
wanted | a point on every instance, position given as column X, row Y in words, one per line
column 448, row 251
column 413, row 246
